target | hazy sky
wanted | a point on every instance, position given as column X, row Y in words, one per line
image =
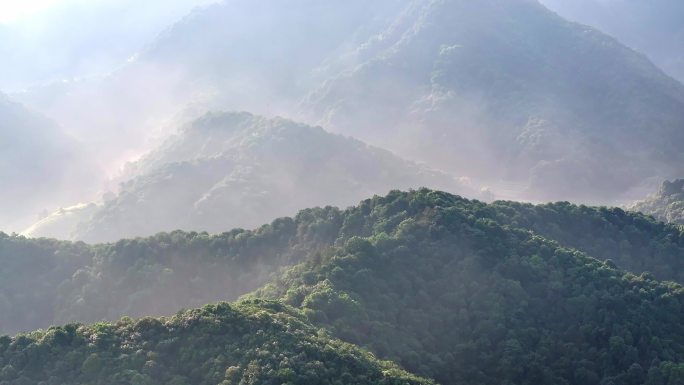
column 49, row 40
column 13, row 11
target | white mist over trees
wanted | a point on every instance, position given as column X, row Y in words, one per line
column 228, row 170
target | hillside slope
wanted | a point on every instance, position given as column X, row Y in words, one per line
column 245, row 343
column 44, row 282
column 459, row 298
column 228, row 170
column 507, row 91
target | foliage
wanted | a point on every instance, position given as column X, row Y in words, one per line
column 631, row 240
column 433, row 284
column 45, row 282
column 253, row 342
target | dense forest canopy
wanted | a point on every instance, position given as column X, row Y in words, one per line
column 246, row 343
column 45, row 282
column 458, row 297
column 442, row 285
column 449, row 288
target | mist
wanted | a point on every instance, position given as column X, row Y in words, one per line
column 76, row 39
column 386, row 192
column 653, row 28
column 457, row 89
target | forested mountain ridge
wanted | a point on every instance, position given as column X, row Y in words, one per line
column 50, row 282
column 667, row 204
column 452, row 289
column 473, row 85
column 245, row 343
column 459, row 298
column 46, row 282
column 631, row 240
column 227, row 170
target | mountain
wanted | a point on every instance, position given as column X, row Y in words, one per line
column 235, row 43
column 39, row 165
column 246, row 343
column 632, row 241
column 509, row 92
column 236, row 55
column 652, row 27
column 457, row 297
column 667, row 204
column 229, row 170
column 505, row 92
column 45, row 282
column 452, row 289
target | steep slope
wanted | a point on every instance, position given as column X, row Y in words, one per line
column 665, row 205
column 229, row 170
column 245, row 343
column 506, row 90
column 462, row 299
column 652, row 27
column 39, row 164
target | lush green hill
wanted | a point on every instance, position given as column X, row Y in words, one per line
column 453, row 295
column 48, row 282
column 245, row 343
column 229, row 170
column 667, row 204
column 631, row 240
column 506, row 90
column 45, row 282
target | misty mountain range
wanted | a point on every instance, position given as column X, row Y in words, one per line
column 301, row 159
column 503, row 92
column 228, row 170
